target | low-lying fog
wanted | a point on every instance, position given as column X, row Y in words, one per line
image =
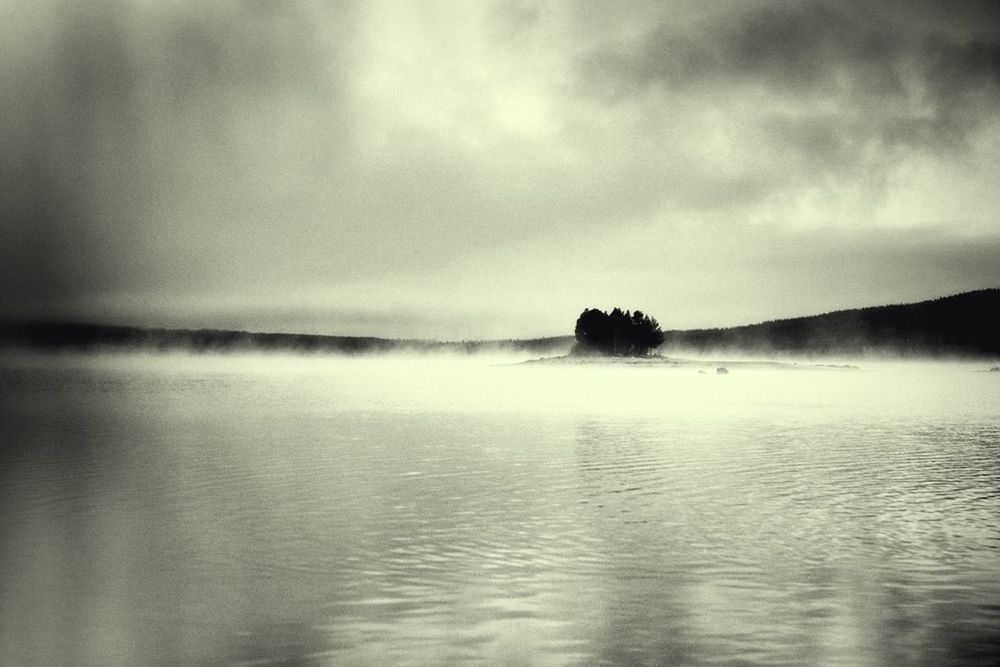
column 522, row 382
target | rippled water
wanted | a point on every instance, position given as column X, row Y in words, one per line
column 294, row 510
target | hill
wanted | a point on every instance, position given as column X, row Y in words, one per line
column 963, row 325
column 88, row 336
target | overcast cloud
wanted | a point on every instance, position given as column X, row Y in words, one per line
column 455, row 169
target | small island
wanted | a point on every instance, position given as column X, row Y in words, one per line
column 618, row 333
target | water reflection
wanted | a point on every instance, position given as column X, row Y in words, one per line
column 857, row 558
column 262, row 516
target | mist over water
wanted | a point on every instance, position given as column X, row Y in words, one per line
column 205, row 509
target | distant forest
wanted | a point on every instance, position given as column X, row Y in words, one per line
column 961, row 325
column 964, row 325
column 88, row 336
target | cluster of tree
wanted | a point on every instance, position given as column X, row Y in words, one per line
column 619, row 333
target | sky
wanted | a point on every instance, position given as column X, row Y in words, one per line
column 489, row 169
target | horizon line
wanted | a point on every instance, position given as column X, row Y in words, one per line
column 445, row 341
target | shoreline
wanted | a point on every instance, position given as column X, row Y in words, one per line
column 720, row 365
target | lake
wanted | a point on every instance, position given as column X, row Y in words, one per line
column 256, row 510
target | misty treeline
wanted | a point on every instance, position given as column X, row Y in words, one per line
column 84, row 337
column 963, row 325
column 618, row 333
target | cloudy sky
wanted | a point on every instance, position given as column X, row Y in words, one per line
column 458, row 169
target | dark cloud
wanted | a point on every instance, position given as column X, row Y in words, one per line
column 794, row 48
column 124, row 115
column 249, row 47
column 512, row 18
column 889, row 78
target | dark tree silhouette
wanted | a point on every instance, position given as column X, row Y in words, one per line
column 618, row 333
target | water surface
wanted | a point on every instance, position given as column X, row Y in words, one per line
column 175, row 509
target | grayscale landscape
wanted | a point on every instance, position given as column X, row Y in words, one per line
column 499, row 333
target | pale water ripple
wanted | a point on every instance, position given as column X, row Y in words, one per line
column 206, row 510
